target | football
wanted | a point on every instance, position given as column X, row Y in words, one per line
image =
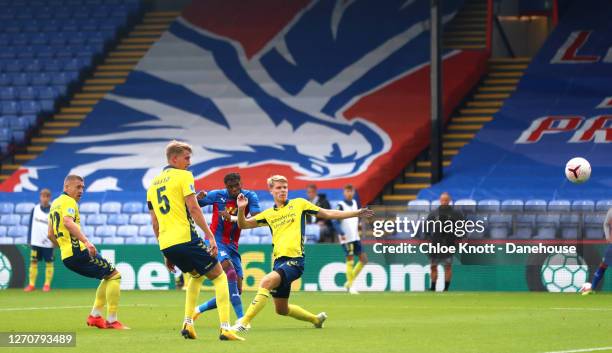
column 578, row 170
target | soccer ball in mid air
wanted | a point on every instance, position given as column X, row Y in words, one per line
column 578, row 170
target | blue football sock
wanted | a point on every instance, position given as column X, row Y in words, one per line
column 598, row 276
column 209, row 305
column 235, row 298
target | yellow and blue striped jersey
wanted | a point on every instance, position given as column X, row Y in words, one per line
column 287, row 224
column 63, row 206
column 166, row 197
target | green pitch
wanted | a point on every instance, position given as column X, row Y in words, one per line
column 370, row 322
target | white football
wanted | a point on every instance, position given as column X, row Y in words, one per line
column 585, row 287
column 578, row 170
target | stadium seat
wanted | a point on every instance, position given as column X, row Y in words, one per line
column 132, row 207
column 477, row 232
column 110, row 207
column 89, row 231
column 152, row 241
column 10, row 219
column 89, row 207
column 603, row 205
column 25, row 220
column 113, row 241
column 499, row 225
column 105, row 231
column 146, row 231
column 24, row 207
column 17, row 232
column 3, row 230
column 569, row 226
column 312, row 232
column 6, row 207
column 249, row 239
column 127, row 231
column 261, row 232
column 6, row 240
column 488, row 206
column 418, row 205
column 140, row 219
column 535, row 206
column 583, row 206
column 118, row 219
column 524, row 225
column 465, row 205
column 593, row 226
column 546, row 225
column 96, row 220
column 136, row 240
column 559, row 206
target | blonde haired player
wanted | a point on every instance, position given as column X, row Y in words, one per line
column 348, row 235
column 173, row 207
column 81, row 256
column 286, row 220
column 42, row 247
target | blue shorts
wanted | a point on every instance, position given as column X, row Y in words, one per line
column 228, row 253
column 85, row 265
column 352, row 248
column 290, row 269
column 39, row 253
column 607, row 259
column 191, row 257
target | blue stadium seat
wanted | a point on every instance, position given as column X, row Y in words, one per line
column 583, row 206
column 47, row 105
column 10, row 108
column 488, row 206
column 603, row 205
column 249, row 239
column 465, row 205
column 535, row 206
column 41, row 79
column 24, row 207
column 499, row 226
column 25, row 220
column 311, row 231
column 89, row 231
column 105, row 231
column 19, row 137
column 136, row 240
column 593, row 226
column 418, row 205
column 118, row 219
column 17, row 231
column 111, row 207
column 8, row 93
column 559, row 206
column 20, row 79
column 30, row 107
column 477, row 233
column 113, row 241
column 6, row 240
column 48, row 93
column 13, row 66
column 6, row 207
column 89, row 207
column 132, row 207
column 33, row 65
column 3, row 230
column 51, row 65
column 127, row 231
column 546, row 225
column 96, row 219
column 140, row 219
column 27, row 93
column 261, row 232
column 146, row 231
column 524, row 226
column 569, row 226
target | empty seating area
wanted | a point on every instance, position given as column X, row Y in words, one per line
column 46, row 47
column 116, row 223
column 518, row 219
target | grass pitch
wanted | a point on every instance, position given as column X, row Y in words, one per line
column 370, row 322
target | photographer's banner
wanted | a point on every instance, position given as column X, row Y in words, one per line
column 401, row 266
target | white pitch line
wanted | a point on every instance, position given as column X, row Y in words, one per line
column 584, row 350
column 584, row 309
column 69, row 307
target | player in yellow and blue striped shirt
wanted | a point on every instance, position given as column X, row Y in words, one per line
column 287, row 221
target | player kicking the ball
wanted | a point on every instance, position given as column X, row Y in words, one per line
column 286, row 220
column 589, row 288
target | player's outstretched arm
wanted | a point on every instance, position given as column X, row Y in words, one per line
column 198, row 217
column 243, row 222
column 76, row 231
column 337, row 214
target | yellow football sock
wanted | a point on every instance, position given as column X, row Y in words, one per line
column 48, row 273
column 258, row 303
column 349, row 272
column 357, row 270
column 100, row 301
column 223, row 301
column 300, row 313
column 191, row 297
column 33, row 272
column 113, row 291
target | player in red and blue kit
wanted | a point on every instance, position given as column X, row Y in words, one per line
column 227, row 234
